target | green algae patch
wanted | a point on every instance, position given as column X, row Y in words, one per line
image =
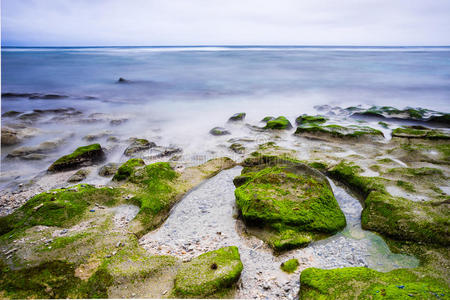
column 82, row 156
column 420, row 132
column 54, row 279
column 337, row 131
column 365, row 283
column 291, row 202
column 306, row 119
column 128, row 168
column 396, row 217
column 61, row 207
column 279, row 123
column 290, row 266
column 209, row 274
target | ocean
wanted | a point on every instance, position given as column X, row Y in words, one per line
column 175, row 95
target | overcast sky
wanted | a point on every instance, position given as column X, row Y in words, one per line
column 225, row 22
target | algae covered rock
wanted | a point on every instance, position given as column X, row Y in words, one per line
column 306, row 119
column 79, row 176
column 278, row 123
column 138, row 145
column 420, row 132
column 238, row 148
column 365, row 283
column 108, row 170
column 82, row 156
column 237, row 117
column 290, row 266
column 337, row 131
column 397, row 217
column 217, row 131
column 286, row 203
column 209, row 274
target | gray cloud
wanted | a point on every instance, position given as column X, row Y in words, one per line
column 213, row 22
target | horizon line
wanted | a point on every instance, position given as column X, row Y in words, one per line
column 220, row 45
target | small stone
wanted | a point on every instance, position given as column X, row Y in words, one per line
column 92, row 210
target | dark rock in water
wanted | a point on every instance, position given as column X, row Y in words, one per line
column 34, row 156
column 305, row 119
column 18, row 95
column 82, row 156
column 122, row 80
column 164, row 152
column 352, row 132
column 117, row 122
column 237, row 117
column 137, row 146
column 108, row 170
column 96, row 136
column 48, row 96
column 238, row 148
column 9, row 136
column 278, row 124
column 44, row 147
column 219, row 131
column 11, row 113
column 79, row 176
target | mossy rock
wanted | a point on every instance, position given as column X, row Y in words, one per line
column 138, row 145
column 128, row 168
column 218, row 131
column 61, row 207
column 237, row 117
column 80, row 175
column 238, row 148
column 397, row 217
column 108, row 170
column 82, row 156
column 365, row 283
column 306, row 119
column 353, row 132
column 420, row 132
column 267, row 119
column 279, row 123
column 290, row 266
column 209, row 274
column 290, row 201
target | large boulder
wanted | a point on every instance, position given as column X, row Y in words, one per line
column 209, row 273
column 292, row 203
column 82, row 156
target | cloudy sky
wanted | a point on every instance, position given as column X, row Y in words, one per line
column 224, row 22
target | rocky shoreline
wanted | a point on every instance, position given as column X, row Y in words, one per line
column 144, row 224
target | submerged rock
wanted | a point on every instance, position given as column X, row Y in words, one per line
column 288, row 201
column 9, row 136
column 209, row 274
column 108, row 170
column 278, row 123
column 80, row 175
column 237, row 117
column 44, row 147
column 11, row 113
column 82, row 156
column 217, row 131
column 238, row 148
column 137, row 146
column 123, row 80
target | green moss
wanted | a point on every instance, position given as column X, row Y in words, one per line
column 337, row 131
column 209, row 273
column 237, row 117
column 267, row 119
column 383, row 124
column 54, row 279
column 419, row 132
column 290, row 266
column 289, row 199
column 385, row 160
column 305, row 119
column 62, row 242
column 321, row 166
column 278, row 123
column 80, row 155
column 238, row 148
column 412, row 172
column 62, row 207
column 407, row 186
column 128, row 168
column 364, row 283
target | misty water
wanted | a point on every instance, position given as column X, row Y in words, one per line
column 177, row 94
